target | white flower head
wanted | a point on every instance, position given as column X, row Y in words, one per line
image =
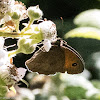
column 4, row 71
column 3, row 57
column 25, row 93
column 78, row 81
column 48, row 29
column 19, row 11
column 6, row 6
column 6, row 18
column 6, row 76
column 53, row 97
column 2, row 40
column 11, row 74
column 20, row 73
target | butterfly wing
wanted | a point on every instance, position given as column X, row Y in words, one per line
column 47, row 62
column 59, row 59
column 74, row 63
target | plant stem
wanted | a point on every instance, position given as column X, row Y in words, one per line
column 17, row 25
column 14, row 34
column 12, row 53
column 28, row 27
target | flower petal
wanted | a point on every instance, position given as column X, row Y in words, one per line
column 21, row 72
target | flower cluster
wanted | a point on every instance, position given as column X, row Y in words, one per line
column 6, row 6
column 11, row 13
column 8, row 72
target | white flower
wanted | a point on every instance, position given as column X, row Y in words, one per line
column 19, row 11
column 20, row 73
column 78, row 80
column 5, row 75
column 25, row 93
column 53, row 97
column 46, row 44
column 86, row 74
column 65, row 98
column 3, row 57
column 48, row 29
column 6, row 18
column 6, row 6
column 11, row 74
column 4, row 71
column 92, row 92
column 2, row 40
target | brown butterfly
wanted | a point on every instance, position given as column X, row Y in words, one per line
column 60, row 58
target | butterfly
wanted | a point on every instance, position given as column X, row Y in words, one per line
column 60, row 58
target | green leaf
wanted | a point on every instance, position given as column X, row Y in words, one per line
column 75, row 93
column 2, row 82
column 94, row 97
column 3, row 91
column 96, row 83
column 88, row 18
column 84, row 32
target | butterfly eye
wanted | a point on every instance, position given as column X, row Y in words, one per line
column 74, row 64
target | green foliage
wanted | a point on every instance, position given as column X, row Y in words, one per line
column 86, row 40
column 25, row 47
column 94, row 97
column 96, row 83
column 3, row 89
column 88, row 18
column 75, row 93
column 2, row 82
column 63, row 26
column 84, row 32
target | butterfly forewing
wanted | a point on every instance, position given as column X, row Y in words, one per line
column 47, row 62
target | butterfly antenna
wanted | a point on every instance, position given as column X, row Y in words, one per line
column 62, row 20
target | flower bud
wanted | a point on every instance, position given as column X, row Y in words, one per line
column 16, row 15
column 25, row 46
column 19, row 11
column 34, row 12
column 48, row 29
